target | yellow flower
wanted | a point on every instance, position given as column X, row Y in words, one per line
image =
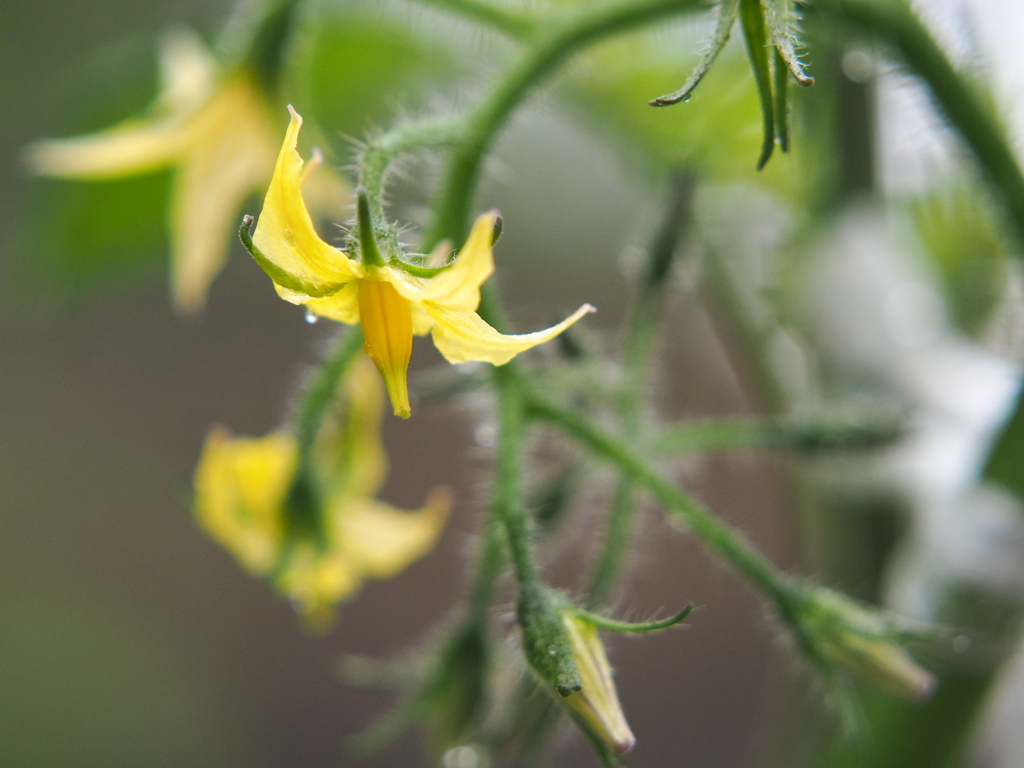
column 392, row 304
column 215, row 129
column 242, row 488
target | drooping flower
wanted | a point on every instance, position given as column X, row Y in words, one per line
column 316, row 547
column 390, row 298
column 215, row 129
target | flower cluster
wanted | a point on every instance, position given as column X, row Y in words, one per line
column 315, row 532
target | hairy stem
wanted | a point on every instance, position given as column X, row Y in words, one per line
column 556, row 40
column 381, row 150
column 508, row 506
column 638, row 350
column 718, row 536
column 323, row 389
column 511, row 21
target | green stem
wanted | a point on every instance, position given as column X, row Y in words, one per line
column 303, row 504
column 490, row 561
column 553, row 44
column 637, row 352
column 508, row 506
column 512, row 21
column 896, row 24
column 719, row 537
column 323, row 389
column 745, row 433
column 381, row 150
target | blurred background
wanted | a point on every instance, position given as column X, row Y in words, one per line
column 866, row 272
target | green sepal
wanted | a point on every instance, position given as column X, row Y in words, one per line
column 416, row 270
column 369, row 253
column 781, row 75
column 727, row 13
column 781, row 23
column 546, row 643
column 755, row 33
column 278, row 275
column 636, row 628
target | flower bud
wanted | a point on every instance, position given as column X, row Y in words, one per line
column 882, row 662
column 595, row 702
column 863, row 640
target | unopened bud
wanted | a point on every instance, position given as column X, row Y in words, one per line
column 865, row 640
column 595, row 701
column 882, row 662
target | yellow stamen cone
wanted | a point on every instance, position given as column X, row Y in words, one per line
column 387, row 327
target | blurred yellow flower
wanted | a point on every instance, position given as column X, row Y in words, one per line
column 242, row 500
column 391, row 303
column 215, row 129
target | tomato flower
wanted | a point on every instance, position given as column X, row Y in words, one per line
column 392, row 299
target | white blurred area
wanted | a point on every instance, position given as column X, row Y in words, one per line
column 983, row 36
column 880, row 309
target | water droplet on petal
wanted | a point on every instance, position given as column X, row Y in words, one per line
column 311, row 318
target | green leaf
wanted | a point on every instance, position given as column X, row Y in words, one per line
column 727, row 13
column 89, row 237
column 1005, row 463
column 782, row 26
column 755, row 33
column 969, row 248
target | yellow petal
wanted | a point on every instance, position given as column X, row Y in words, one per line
column 187, row 72
column 463, row 335
column 387, row 326
column 382, row 541
column 316, row 581
column 296, row 257
column 365, row 463
column 137, row 145
column 231, row 153
column 458, row 287
column 240, row 485
column 133, row 147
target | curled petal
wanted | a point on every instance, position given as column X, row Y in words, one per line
column 232, row 151
column 380, row 541
column 297, row 258
column 458, row 287
column 131, row 147
column 462, row 335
